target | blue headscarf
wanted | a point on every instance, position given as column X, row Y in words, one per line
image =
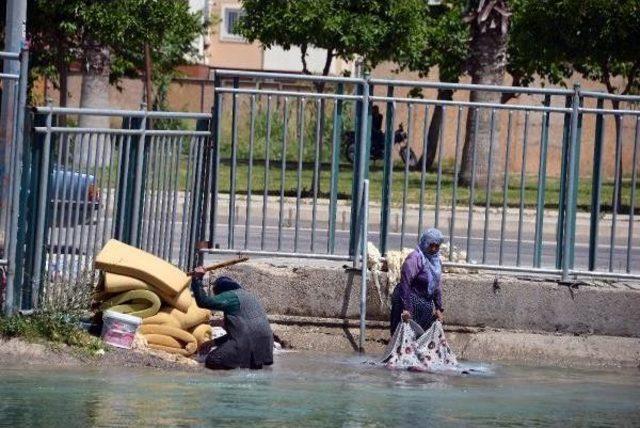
column 224, row 283
column 431, row 264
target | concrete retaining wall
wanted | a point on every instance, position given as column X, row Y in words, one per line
column 469, row 300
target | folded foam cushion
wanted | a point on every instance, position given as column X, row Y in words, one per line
column 190, row 343
column 115, row 283
column 163, row 318
column 123, row 259
column 140, row 303
column 194, row 316
column 202, row 333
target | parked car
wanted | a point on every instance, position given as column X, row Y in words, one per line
column 75, row 195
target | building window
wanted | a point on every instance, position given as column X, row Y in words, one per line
column 230, row 18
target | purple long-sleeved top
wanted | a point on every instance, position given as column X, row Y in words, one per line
column 414, row 279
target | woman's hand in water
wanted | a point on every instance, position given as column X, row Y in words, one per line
column 198, row 273
column 439, row 315
column 406, row 316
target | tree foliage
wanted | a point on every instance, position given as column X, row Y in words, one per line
column 62, row 30
column 376, row 30
column 597, row 38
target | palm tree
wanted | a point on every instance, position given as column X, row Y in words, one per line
column 489, row 26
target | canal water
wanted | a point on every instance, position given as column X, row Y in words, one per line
column 308, row 390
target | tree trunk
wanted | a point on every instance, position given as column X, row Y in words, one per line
column 63, row 73
column 487, row 64
column 94, row 94
column 433, row 137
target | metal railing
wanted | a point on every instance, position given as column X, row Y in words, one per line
column 513, row 185
column 12, row 129
column 547, row 186
column 140, row 183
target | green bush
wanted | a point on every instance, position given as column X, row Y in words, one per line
column 58, row 328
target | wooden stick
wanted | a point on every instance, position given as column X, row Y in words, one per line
column 222, row 265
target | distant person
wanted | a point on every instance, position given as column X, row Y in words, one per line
column 418, row 295
column 249, row 339
column 376, row 119
column 377, row 136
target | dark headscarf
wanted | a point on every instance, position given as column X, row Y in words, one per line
column 224, row 283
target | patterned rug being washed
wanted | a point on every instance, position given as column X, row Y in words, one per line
column 411, row 348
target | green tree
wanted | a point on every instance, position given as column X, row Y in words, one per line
column 375, row 30
column 445, row 46
column 108, row 39
column 597, row 39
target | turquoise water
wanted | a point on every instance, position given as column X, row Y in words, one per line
column 310, row 390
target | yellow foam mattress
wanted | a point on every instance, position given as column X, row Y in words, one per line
column 163, row 318
column 117, row 257
column 115, row 283
column 191, row 318
column 154, row 335
column 202, row 333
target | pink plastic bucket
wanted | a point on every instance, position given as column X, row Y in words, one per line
column 119, row 329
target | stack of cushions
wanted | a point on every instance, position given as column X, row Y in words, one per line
column 137, row 283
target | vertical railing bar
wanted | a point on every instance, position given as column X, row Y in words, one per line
column 387, row 174
column 472, row 186
column 596, row 187
column 54, row 243
column 632, row 205
column 487, row 201
column 252, row 134
column 283, row 167
column 83, row 256
column 232, row 168
column 174, row 210
column 166, row 204
column 116, row 182
column 407, row 161
column 542, row 180
column 150, row 194
column 69, row 213
column 454, row 194
column 215, row 161
column 186, row 203
column 166, row 183
column 299, row 189
column 573, row 176
column 158, row 204
column 93, row 232
column 616, row 189
column 200, row 166
column 523, row 179
column 335, row 171
column 316, row 174
column 43, row 202
column 137, row 188
column 505, row 188
column 423, row 169
column 439, row 176
column 267, row 151
column 363, row 263
column 83, row 168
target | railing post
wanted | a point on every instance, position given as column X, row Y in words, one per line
column 216, row 135
column 570, row 222
column 363, row 264
column 596, row 184
column 138, row 182
column 562, row 197
column 387, row 174
column 335, row 170
column 359, row 170
column 16, row 194
column 542, row 183
column 41, row 210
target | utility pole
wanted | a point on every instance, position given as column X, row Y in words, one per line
column 14, row 36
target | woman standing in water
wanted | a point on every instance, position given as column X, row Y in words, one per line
column 419, row 291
